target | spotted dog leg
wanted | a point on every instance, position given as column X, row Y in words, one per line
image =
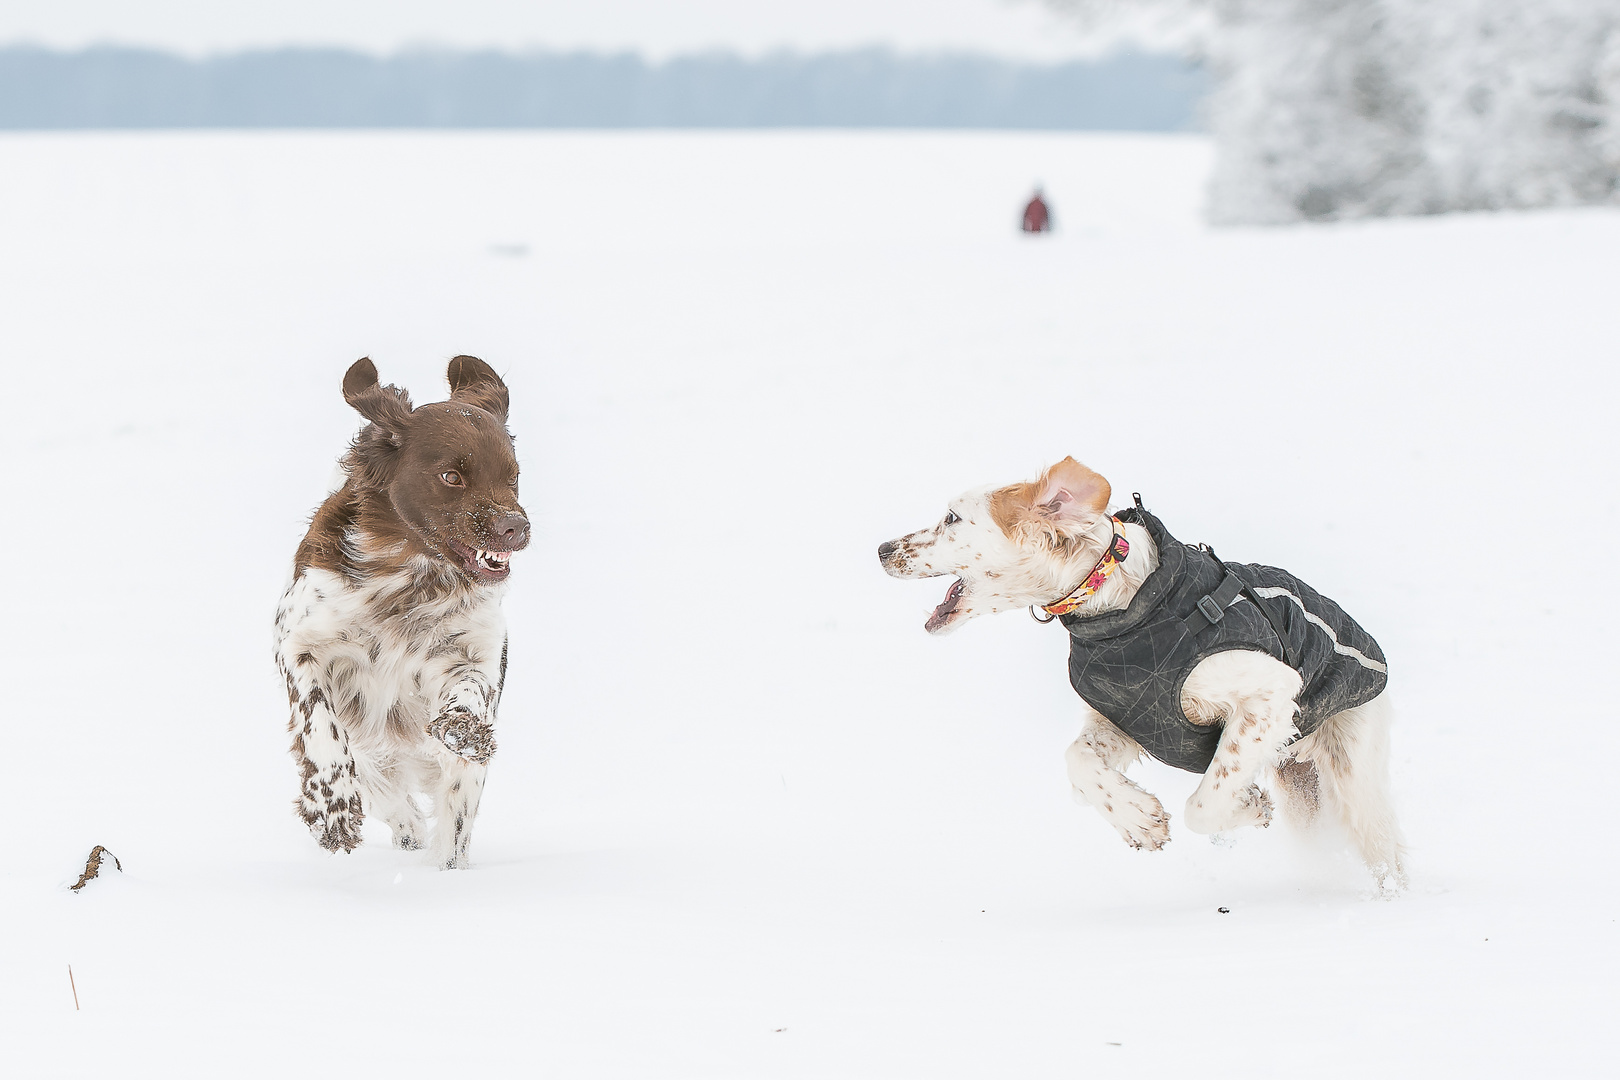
column 1252, row 698
column 1096, row 760
column 455, row 805
column 329, row 788
column 1228, row 797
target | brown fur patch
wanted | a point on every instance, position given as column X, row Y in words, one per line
column 1010, row 507
column 1301, row 787
column 322, row 546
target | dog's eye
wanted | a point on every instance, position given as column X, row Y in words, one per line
column 951, row 518
column 452, row 478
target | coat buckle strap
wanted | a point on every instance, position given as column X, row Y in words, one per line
column 1211, row 609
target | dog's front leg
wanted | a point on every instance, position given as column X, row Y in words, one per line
column 468, row 740
column 464, row 725
column 1256, row 697
column 1096, row 760
column 329, row 790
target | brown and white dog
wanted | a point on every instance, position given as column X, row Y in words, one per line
column 391, row 637
column 1032, row 544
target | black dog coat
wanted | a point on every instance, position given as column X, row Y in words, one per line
column 1130, row 665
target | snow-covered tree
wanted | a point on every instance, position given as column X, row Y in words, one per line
column 1329, row 109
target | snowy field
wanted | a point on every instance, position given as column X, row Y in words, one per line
column 748, row 820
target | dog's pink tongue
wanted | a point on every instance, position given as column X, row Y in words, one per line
column 942, row 614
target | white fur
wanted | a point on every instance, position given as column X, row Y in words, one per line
column 1341, row 767
column 368, row 667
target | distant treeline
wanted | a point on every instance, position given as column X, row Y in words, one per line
column 319, row 88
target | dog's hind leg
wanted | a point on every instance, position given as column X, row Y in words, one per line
column 1255, row 697
column 1096, row 761
column 390, row 786
column 456, row 792
column 1351, row 754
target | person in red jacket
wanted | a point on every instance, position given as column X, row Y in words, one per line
column 1037, row 218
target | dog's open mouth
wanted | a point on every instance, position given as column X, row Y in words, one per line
column 483, row 565
column 942, row 614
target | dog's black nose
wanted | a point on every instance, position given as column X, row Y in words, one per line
column 511, row 530
column 886, row 549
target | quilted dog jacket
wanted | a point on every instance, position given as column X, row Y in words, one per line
column 1130, row 665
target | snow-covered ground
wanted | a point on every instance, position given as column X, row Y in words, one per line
column 748, row 820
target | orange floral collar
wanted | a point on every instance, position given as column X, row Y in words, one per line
column 1099, row 574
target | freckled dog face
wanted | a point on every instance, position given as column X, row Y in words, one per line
column 968, row 543
column 1009, row 547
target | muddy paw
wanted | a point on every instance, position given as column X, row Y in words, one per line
column 1141, row 821
column 340, row 834
column 465, row 735
column 337, row 830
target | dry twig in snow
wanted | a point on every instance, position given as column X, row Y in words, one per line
column 92, row 867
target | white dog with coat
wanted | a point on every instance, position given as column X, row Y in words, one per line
column 1240, row 672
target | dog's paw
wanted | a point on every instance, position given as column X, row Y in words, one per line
column 407, row 825
column 1140, row 820
column 407, row 837
column 341, row 833
column 1253, row 808
column 464, row 735
column 1215, row 814
column 333, row 821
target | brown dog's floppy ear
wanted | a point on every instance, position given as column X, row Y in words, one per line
column 475, row 382
column 386, row 406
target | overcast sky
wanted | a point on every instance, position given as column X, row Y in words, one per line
column 656, row 28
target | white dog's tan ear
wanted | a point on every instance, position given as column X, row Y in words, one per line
column 1065, row 501
column 1070, row 494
